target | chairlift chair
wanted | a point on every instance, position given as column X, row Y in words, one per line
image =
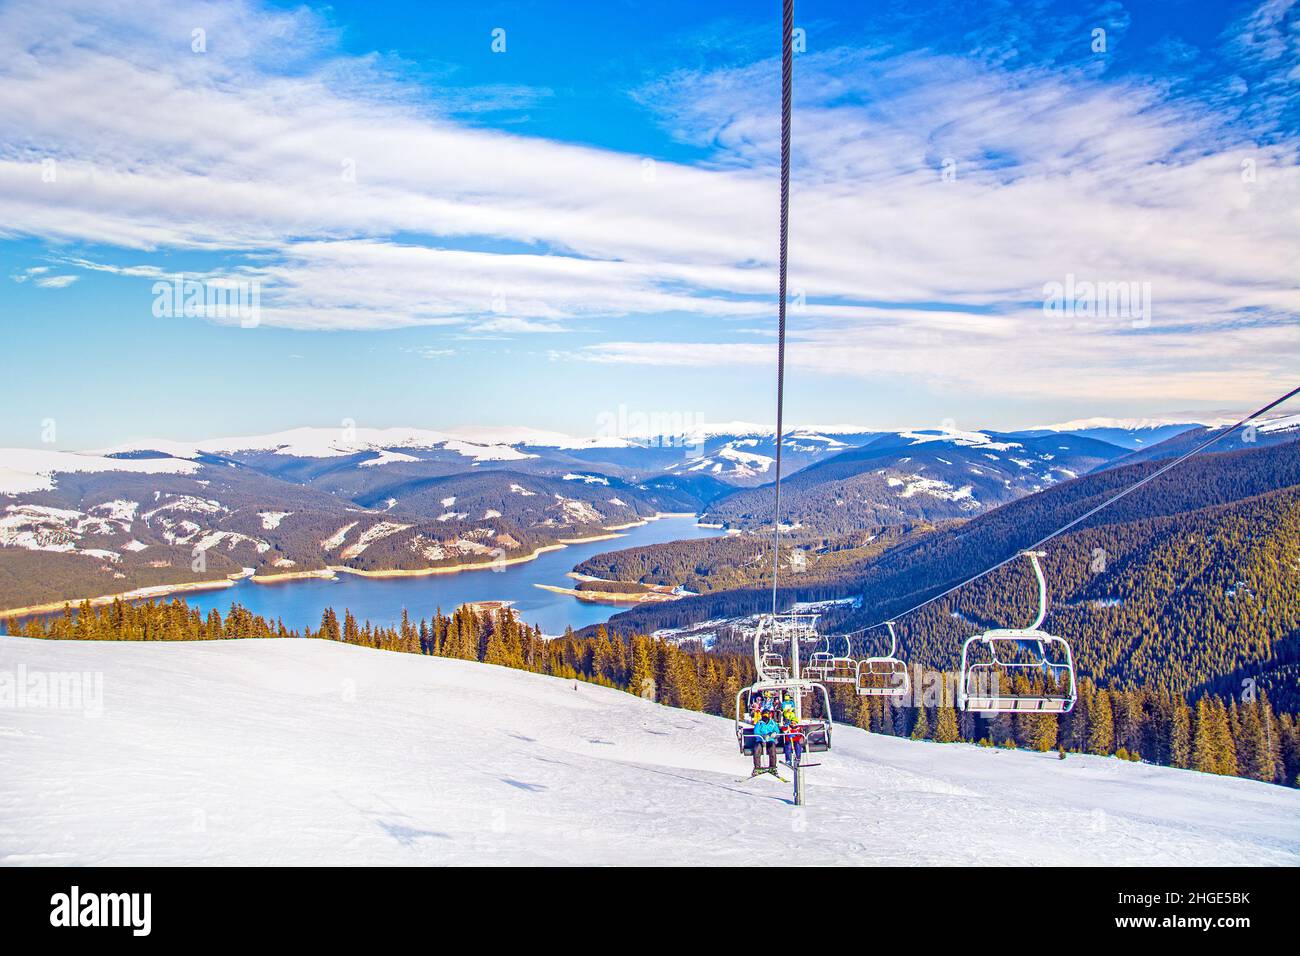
column 819, row 662
column 779, row 672
column 1008, row 652
column 884, row 676
column 816, row 728
column 842, row 669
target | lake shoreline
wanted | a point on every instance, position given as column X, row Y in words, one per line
column 335, row 574
column 612, row 597
column 136, row 594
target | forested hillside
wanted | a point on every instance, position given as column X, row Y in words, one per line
column 744, row 561
column 1192, row 582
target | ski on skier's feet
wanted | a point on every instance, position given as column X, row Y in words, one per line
column 761, row 772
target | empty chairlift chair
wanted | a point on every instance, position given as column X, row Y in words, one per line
column 844, row 668
column 819, row 663
column 883, row 676
column 991, row 662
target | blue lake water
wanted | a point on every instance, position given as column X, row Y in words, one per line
column 381, row 600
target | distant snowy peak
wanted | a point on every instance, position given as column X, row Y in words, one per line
column 326, row 443
column 26, row 470
column 1133, row 424
column 1277, row 425
column 533, row 437
column 150, row 448
column 955, row 436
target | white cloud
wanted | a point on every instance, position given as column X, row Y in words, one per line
column 509, row 325
column 429, row 352
column 1058, row 172
column 56, row 282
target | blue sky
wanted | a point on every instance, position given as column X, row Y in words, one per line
column 441, row 234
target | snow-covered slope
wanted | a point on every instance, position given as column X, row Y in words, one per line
column 25, row 470
column 304, row 752
column 311, row 442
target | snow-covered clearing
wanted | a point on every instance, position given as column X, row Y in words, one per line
column 307, row 752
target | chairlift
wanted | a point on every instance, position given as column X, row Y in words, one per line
column 842, row 669
column 884, row 676
column 778, row 641
column 990, row 661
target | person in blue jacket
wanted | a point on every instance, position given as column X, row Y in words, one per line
column 767, row 730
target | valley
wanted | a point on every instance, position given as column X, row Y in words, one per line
column 569, row 532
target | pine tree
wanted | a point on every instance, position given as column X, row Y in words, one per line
column 945, row 727
column 1289, row 731
column 643, row 682
column 1205, row 756
column 496, row 652
column 1258, row 763
column 864, row 717
column 921, row 729
column 1075, row 734
column 1180, row 735
column 1046, row 732
column 1101, row 732
column 1225, row 746
column 1272, row 736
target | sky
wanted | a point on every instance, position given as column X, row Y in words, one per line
column 491, row 213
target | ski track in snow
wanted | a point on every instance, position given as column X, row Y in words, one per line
column 305, row 752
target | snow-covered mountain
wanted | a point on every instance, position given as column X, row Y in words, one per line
column 25, row 470
column 921, row 474
column 322, row 443
column 187, row 498
column 1131, row 433
column 748, row 459
column 298, row 752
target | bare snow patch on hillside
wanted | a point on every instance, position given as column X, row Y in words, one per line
column 387, row 457
column 372, row 534
column 338, row 537
column 579, row 511
column 119, row 509
column 232, row 540
column 271, row 519
column 913, row 485
column 957, row 437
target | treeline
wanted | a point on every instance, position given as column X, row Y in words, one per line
column 650, row 668
column 611, row 587
column 1247, row 738
column 1243, row 739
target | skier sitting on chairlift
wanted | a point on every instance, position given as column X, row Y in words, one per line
column 791, row 735
column 766, row 730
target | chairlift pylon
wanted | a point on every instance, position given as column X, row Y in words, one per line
column 1017, row 651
